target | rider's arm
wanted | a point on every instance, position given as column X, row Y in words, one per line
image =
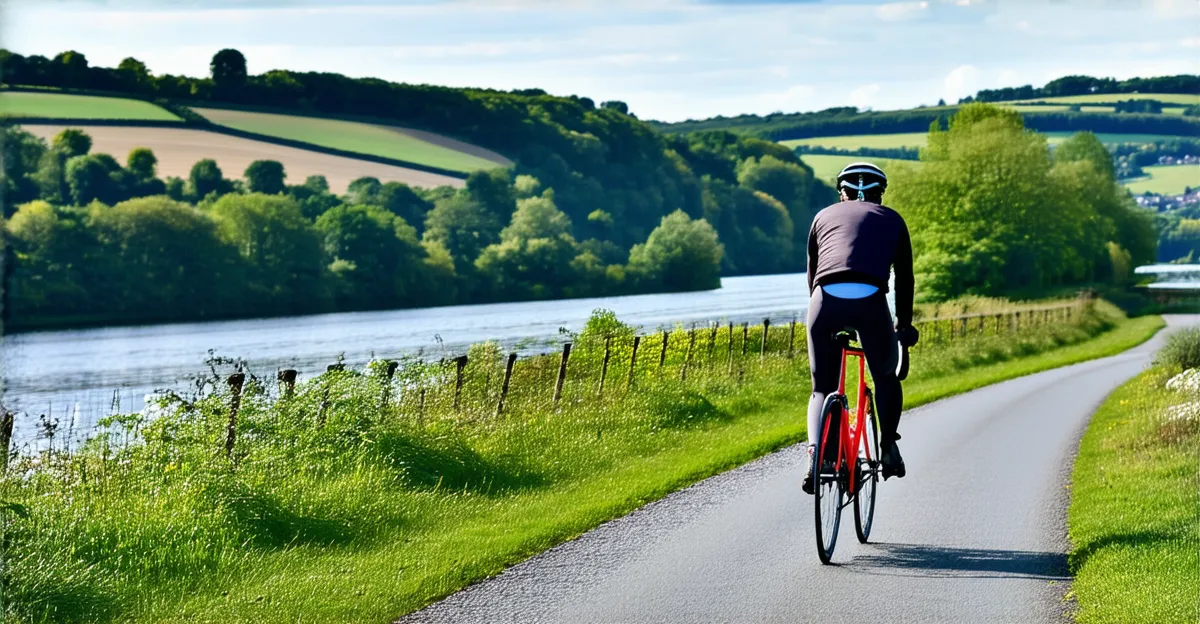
column 904, row 278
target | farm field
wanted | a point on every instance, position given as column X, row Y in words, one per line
column 61, row 105
column 178, row 149
column 826, row 167
column 917, row 139
column 1166, row 179
column 1108, row 98
column 425, row 148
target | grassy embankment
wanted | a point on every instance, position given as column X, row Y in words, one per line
column 377, row 140
column 63, row 106
column 356, row 499
column 1134, row 519
column 917, row 139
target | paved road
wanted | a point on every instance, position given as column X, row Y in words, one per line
column 975, row 533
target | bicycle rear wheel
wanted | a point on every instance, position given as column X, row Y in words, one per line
column 868, row 473
column 829, row 493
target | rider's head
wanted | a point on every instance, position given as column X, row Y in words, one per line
column 862, row 181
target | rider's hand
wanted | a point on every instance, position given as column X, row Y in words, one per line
column 908, row 335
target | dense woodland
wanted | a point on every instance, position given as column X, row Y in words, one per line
column 597, row 202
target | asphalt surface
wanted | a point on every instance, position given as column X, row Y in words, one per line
column 975, row 533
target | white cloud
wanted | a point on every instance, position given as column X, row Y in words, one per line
column 962, row 81
column 864, row 96
column 899, row 11
column 1190, row 42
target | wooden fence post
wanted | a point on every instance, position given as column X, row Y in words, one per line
column 604, row 366
column 731, row 347
column 762, row 347
column 687, row 358
column 712, row 339
column 745, row 337
column 792, row 340
column 389, row 374
column 562, row 373
column 287, row 377
column 461, row 363
column 508, row 371
column 6, row 431
column 235, row 382
column 637, row 341
column 662, row 357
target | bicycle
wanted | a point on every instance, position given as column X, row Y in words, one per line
column 838, row 481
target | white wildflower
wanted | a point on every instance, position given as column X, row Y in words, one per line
column 1184, row 411
column 1187, row 381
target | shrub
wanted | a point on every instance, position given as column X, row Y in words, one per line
column 1182, row 350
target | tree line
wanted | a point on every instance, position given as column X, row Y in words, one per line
column 91, row 238
column 1088, row 85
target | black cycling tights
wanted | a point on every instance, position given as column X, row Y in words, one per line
column 871, row 318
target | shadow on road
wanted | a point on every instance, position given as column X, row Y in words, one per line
column 941, row 561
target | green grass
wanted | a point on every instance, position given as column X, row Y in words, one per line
column 336, row 509
column 1109, row 98
column 62, row 106
column 1133, row 519
column 1165, row 179
column 826, row 167
column 363, row 138
column 918, row 139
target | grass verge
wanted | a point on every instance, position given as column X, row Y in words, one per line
column 335, row 509
column 1133, row 518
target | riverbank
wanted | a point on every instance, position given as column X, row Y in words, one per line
column 342, row 502
column 1132, row 519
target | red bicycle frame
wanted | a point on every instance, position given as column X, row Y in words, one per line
column 851, row 436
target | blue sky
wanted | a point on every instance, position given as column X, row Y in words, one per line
column 669, row 59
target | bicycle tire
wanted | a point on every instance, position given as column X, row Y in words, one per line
column 868, row 476
column 828, row 491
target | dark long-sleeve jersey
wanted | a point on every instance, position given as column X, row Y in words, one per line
column 857, row 241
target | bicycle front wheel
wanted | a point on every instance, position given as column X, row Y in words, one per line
column 829, row 493
column 867, row 473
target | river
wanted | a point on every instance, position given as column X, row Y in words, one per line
column 76, row 376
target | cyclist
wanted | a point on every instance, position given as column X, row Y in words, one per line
column 852, row 247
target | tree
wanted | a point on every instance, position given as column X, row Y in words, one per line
column 376, row 259
column 20, row 153
column 1084, row 146
column 135, row 76
column 680, row 254
column 162, row 259
column 535, row 253
column 228, row 70
column 142, row 163
column 265, row 176
column 493, row 191
column 283, row 254
column 400, row 200
column 463, row 227
column 48, row 249
column 70, row 68
column 363, row 190
column 72, row 142
column 617, row 105
column 205, row 178
column 88, row 180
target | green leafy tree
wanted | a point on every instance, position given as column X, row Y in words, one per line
column 206, row 178
column 162, row 259
column 70, row 69
column 72, row 142
column 265, row 176
column 376, row 259
column 48, row 249
column 228, row 70
column 282, row 250
column 88, row 180
column 135, row 76
column 680, row 254
column 1084, row 146
column 142, row 163
column 400, row 200
column 493, row 191
column 534, row 256
column 20, row 153
column 463, row 227
column 364, row 190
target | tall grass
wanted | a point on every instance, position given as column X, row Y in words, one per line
column 361, row 496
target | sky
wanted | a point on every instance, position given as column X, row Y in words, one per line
column 668, row 59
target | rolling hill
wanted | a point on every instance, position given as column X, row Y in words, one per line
column 63, row 106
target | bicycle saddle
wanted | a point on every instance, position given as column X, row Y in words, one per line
column 845, row 337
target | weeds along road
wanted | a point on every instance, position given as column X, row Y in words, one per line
column 975, row 533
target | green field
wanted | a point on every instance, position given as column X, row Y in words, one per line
column 917, row 139
column 1166, row 179
column 416, row 147
column 826, row 167
column 63, row 106
column 1133, row 520
column 1108, row 98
